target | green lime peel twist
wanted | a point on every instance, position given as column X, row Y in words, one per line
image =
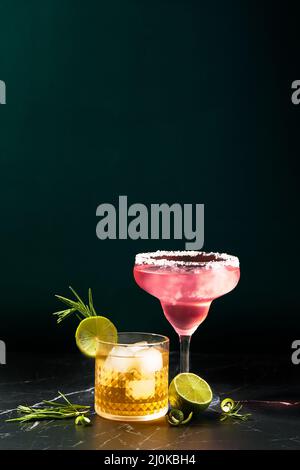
column 231, row 409
column 176, row 417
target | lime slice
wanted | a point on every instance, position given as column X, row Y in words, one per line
column 91, row 330
column 188, row 392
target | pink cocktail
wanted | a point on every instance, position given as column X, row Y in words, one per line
column 186, row 282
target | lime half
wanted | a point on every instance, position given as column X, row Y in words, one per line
column 188, row 392
column 91, row 330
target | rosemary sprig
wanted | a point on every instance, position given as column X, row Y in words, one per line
column 53, row 410
column 230, row 409
column 84, row 310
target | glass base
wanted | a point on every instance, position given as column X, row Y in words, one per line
column 150, row 417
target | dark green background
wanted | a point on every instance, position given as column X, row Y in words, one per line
column 170, row 101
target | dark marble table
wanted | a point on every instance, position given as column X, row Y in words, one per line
column 28, row 379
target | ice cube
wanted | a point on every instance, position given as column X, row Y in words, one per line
column 134, row 358
column 140, row 389
column 149, row 360
column 137, row 346
column 120, row 359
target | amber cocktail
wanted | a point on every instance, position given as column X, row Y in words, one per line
column 131, row 377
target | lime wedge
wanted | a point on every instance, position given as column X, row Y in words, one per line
column 188, row 392
column 91, row 330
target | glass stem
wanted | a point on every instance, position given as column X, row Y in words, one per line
column 184, row 353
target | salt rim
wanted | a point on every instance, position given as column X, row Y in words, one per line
column 221, row 259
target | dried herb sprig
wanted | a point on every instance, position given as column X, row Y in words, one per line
column 53, row 410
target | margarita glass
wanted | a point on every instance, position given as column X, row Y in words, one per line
column 186, row 282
